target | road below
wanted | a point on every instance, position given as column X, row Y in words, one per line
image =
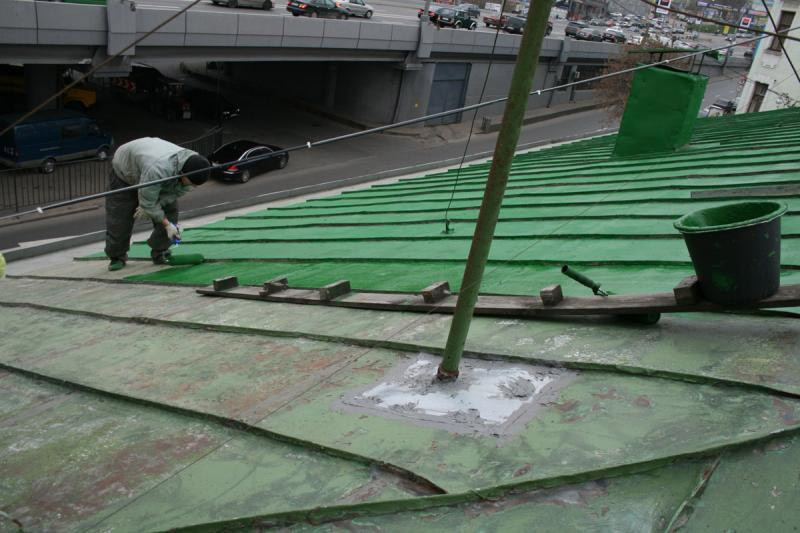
column 368, row 155
column 364, row 156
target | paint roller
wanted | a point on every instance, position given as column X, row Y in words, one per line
column 185, row 259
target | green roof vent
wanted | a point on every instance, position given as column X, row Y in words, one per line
column 661, row 111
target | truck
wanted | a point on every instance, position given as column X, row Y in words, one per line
column 50, row 136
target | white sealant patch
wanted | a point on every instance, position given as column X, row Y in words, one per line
column 492, row 395
column 488, row 397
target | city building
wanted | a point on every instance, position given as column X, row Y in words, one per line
column 772, row 82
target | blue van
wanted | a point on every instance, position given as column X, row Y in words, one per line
column 49, row 136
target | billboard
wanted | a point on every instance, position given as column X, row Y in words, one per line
column 663, row 7
column 746, row 22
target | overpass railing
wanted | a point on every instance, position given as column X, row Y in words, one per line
column 24, row 188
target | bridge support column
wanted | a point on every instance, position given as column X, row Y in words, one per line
column 414, row 92
column 41, row 82
column 330, row 85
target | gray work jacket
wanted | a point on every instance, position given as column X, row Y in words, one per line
column 149, row 159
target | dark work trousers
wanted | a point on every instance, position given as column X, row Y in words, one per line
column 120, row 208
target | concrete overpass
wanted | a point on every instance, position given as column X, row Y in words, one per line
column 373, row 71
column 41, row 32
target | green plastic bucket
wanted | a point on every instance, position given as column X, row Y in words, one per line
column 735, row 250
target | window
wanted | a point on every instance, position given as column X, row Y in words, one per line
column 759, row 93
column 70, row 132
column 784, row 23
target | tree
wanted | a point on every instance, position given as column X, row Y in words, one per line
column 612, row 92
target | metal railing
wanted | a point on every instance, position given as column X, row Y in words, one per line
column 29, row 187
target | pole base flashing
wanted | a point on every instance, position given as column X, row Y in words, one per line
column 446, row 375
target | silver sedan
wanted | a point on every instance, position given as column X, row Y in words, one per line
column 357, row 8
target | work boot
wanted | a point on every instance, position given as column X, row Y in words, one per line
column 116, row 264
column 161, row 258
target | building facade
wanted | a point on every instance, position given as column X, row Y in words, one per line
column 771, row 82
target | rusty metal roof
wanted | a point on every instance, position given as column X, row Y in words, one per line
column 131, row 403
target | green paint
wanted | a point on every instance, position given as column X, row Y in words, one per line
column 645, row 397
column 759, row 351
column 752, row 490
column 730, row 216
column 71, row 461
column 638, row 502
column 661, row 111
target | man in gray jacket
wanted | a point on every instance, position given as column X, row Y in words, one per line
column 142, row 161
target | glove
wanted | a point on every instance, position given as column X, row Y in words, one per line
column 140, row 214
column 173, row 232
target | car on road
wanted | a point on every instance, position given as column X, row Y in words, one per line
column 211, row 104
column 589, row 34
column 572, row 28
column 517, row 25
column 240, row 160
column 472, row 10
column 495, row 20
column 316, row 8
column 448, row 16
column 258, row 4
column 431, row 12
column 613, row 36
column 357, row 8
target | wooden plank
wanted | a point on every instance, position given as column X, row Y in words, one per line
column 334, row 290
column 551, row 295
column 688, row 291
column 772, row 190
column 275, row 285
column 223, row 284
column 435, row 292
column 511, row 305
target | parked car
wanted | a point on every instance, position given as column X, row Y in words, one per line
column 589, row 34
column 316, row 8
column 211, row 104
column 448, row 16
column 431, row 13
column 258, row 4
column 517, row 25
column 356, row 8
column 495, row 20
column 244, row 159
column 472, row 10
column 572, row 27
column 50, row 136
column 748, row 53
column 613, row 36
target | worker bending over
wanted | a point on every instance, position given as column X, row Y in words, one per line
column 142, row 161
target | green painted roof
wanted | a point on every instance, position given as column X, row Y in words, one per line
column 141, row 405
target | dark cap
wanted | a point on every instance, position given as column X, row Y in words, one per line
column 196, row 168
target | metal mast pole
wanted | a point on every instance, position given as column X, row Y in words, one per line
column 521, row 83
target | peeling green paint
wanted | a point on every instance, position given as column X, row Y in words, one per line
column 145, row 369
